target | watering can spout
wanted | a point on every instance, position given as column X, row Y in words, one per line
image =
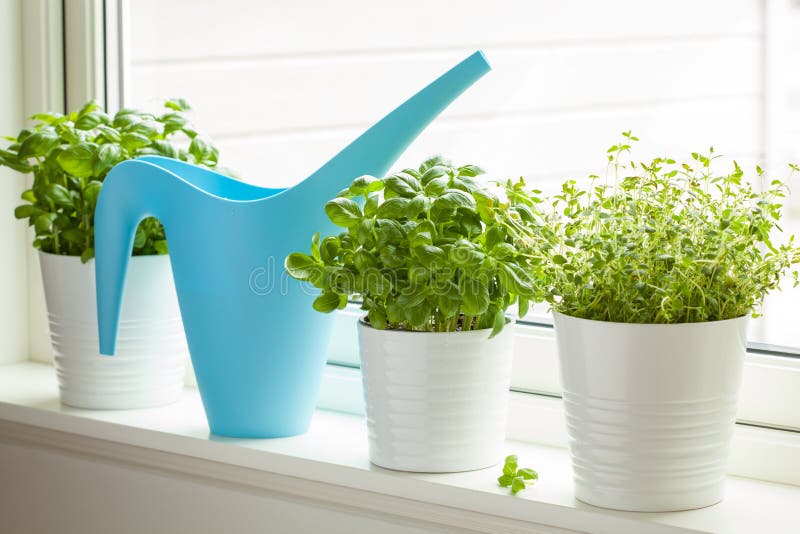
column 149, row 186
column 376, row 149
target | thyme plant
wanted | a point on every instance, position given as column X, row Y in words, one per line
column 664, row 242
column 70, row 156
column 426, row 249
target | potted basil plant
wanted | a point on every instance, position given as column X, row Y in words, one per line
column 431, row 254
column 654, row 272
column 69, row 156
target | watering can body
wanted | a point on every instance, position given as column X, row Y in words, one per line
column 257, row 346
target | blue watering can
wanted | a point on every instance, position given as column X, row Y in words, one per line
column 257, row 346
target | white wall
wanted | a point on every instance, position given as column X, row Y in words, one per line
column 282, row 85
column 13, row 239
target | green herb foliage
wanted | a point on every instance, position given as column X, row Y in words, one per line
column 69, row 157
column 664, row 242
column 427, row 249
column 515, row 477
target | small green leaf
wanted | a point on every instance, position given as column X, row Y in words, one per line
column 377, row 319
column 58, row 194
column 78, row 160
column 38, row 144
column 432, row 172
column 364, row 185
column 389, row 231
column 165, row 148
column 455, row 198
column 516, row 279
column 134, row 141
column 430, row 256
column 371, row 205
column 140, row 238
column 465, row 256
column 327, row 302
column 315, row 247
column 91, row 192
column 178, row 104
column 91, row 120
column 393, row 208
column 126, row 117
column 329, row 249
column 437, row 186
column 11, row 161
column 511, row 462
column 364, row 233
column 505, row 481
column 475, row 296
column 470, row 170
column 90, row 107
column 109, row 133
column 516, row 479
column 48, row 118
column 25, row 211
column 107, row 156
column 74, row 235
column 402, row 185
column 523, row 306
column 87, row 254
column 343, row 212
column 173, row 122
column 418, row 316
column 451, row 200
column 302, row 266
column 150, row 128
column 377, row 284
column 44, row 223
column 161, row 246
column 200, row 149
column 498, row 323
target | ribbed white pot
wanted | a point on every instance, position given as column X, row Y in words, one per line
column 436, row 401
column 148, row 369
column 650, row 410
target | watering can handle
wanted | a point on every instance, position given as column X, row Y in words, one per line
column 132, row 191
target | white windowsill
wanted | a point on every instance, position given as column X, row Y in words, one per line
column 330, row 464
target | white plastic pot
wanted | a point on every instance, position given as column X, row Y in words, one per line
column 436, row 401
column 650, row 410
column 148, row 369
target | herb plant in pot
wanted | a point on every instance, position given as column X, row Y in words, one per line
column 69, row 157
column 432, row 255
column 654, row 273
